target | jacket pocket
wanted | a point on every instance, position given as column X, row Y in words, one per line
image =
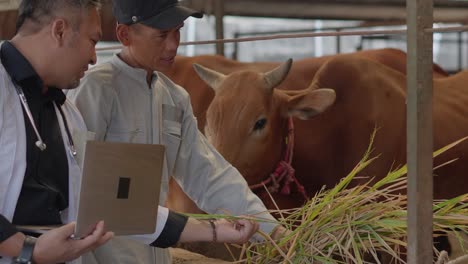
column 172, row 137
column 131, row 133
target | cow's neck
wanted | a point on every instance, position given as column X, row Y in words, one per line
column 283, row 175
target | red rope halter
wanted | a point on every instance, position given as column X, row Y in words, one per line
column 284, row 172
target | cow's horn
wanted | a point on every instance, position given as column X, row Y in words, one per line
column 274, row 77
column 211, row 77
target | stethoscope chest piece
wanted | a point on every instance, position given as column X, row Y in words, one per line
column 41, row 145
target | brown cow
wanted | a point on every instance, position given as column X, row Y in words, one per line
column 300, row 76
column 248, row 120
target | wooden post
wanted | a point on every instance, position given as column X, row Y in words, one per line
column 219, row 15
column 419, row 131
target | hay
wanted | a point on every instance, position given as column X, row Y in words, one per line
column 353, row 225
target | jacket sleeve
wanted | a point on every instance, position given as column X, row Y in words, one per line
column 172, row 230
column 6, row 229
column 169, row 227
column 209, row 180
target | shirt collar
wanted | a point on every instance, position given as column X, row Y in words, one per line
column 17, row 66
column 22, row 72
column 135, row 73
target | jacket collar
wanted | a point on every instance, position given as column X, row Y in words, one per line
column 136, row 74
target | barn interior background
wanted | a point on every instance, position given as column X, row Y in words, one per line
column 243, row 18
column 266, row 17
column 251, row 18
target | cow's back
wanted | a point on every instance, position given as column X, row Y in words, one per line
column 371, row 95
column 367, row 98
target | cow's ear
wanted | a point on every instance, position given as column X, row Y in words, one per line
column 211, row 77
column 310, row 103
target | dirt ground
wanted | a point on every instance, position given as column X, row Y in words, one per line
column 182, row 256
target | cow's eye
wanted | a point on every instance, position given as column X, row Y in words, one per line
column 260, row 124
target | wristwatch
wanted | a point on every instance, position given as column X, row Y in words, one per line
column 25, row 256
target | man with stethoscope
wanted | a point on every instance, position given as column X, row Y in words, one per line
column 52, row 49
column 36, row 151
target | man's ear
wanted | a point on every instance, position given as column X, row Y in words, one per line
column 122, row 32
column 59, row 27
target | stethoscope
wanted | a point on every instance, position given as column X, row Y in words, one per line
column 40, row 143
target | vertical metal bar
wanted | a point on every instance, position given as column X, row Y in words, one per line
column 219, row 14
column 419, row 131
column 338, row 42
column 235, row 53
column 191, row 36
column 460, row 51
column 318, row 42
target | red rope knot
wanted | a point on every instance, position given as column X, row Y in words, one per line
column 289, row 178
column 274, row 187
column 276, row 177
column 284, row 173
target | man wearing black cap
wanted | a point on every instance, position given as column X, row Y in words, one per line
column 128, row 100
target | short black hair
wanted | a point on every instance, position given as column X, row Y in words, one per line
column 41, row 12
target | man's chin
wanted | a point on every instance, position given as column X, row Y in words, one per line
column 165, row 65
column 71, row 86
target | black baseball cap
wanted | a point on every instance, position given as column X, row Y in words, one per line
column 160, row 14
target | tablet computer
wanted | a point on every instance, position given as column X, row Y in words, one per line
column 120, row 185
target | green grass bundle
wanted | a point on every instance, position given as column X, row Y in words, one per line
column 355, row 225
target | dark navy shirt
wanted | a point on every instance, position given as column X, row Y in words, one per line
column 6, row 229
column 45, row 187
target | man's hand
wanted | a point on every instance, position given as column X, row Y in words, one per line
column 11, row 247
column 279, row 232
column 235, row 231
column 57, row 245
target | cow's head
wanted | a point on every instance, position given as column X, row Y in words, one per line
column 246, row 121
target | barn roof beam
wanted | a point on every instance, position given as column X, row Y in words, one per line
column 453, row 11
